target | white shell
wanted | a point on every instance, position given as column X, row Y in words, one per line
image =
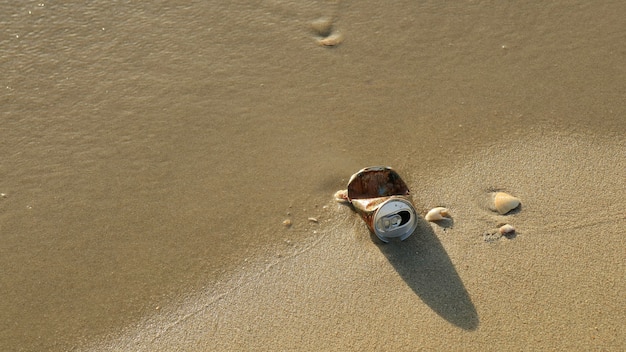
column 504, row 202
column 342, row 196
column 506, row 229
column 438, row 213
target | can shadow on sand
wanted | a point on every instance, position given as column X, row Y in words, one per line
column 422, row 262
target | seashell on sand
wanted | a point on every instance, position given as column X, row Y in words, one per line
column 504, row 202
column 506, row 229
column 342, row 196
column 333, row 39
column 287, row 223
column 438, row 213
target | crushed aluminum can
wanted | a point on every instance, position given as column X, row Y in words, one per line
column 383, row 201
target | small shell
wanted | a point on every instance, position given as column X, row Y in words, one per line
column 504, row 202
column 313, row 219
column 332, row 40
column 506, row 229
column 438, row 213
column 287, row 223
column 342, row 196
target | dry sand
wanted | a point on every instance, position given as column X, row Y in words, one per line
column 558, row 284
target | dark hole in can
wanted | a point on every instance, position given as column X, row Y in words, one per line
column 406, row 216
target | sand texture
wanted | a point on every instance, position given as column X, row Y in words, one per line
column 557, row 284
column 150, row 153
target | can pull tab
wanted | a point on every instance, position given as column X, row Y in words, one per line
column 392, row 221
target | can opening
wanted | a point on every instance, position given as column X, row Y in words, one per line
column 393, row 221
column 406, row 216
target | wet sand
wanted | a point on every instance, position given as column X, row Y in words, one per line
column 150, row 154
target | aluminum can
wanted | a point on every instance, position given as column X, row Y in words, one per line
column 383, row 201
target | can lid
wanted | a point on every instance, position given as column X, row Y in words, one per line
column 396, row 217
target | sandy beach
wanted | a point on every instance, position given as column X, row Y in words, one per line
column 151, row 153
column 556, row 285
